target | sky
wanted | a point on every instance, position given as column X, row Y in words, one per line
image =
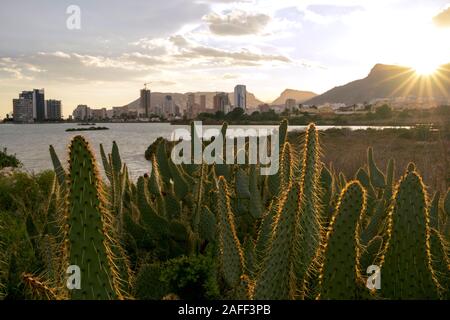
column 209, row 45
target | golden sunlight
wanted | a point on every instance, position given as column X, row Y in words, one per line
column 425, row 68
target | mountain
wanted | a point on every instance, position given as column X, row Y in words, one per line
column 180, row 99
column 388, row 81
column 299, row 96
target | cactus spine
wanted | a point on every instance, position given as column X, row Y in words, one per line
column 256, row 204
column 59, row 170
column 278, row 278
column 310, row 227
column 406, row 266
column 376, row 176
column 90, row 228
column 231, row 255
column 340, row 276
column 440, row 261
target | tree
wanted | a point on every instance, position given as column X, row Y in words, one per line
column 7, row 160
column 383, row 112
column 236, row 114
column 219, row 115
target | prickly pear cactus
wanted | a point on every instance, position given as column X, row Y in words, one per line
column 327, row 194
column 231, row 255
column 277, row 279
column 446, row 217
column 256, row 204
column 406, row 270
column 89, row 228
column 207, row 225
column 340, row 276
column 59, row 170
column 389, row 180
column 376, row 176
column 310, row 207
column 372, row 252
column 265, row 231
column 434, row 211
column 286, row 166
column 440, row 261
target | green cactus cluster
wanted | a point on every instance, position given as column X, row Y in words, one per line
column 407, row 270
column 226, row 231
column 340, row 275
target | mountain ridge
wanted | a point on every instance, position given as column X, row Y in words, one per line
column 298, row 95
column 383, row 81
column 389, row 81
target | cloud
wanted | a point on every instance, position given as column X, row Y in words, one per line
column 236, row 23
column 144, row 59
column 11, row 69
column 182, row 51
column 174, row 54
column 443, row 18
column 105, row 24
column 230, row 76
column 163, row 83
column 332, row 10
column 60, row 66
column 242, row 57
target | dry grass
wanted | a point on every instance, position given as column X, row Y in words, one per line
column 347, row 152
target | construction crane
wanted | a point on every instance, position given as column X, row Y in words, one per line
column 145, row 85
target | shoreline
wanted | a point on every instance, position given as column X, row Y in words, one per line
column 256, row 123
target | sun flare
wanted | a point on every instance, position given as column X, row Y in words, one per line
column 425, row 68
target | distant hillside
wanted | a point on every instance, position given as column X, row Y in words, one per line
column 387, row 81
column 180, row 99
column 299, row 96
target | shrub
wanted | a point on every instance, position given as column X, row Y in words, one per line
column 192, row 278
column 7, row 160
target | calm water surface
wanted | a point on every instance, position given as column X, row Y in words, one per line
column 31, row 142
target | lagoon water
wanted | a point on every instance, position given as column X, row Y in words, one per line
column 30, row 142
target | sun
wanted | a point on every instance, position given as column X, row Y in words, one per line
column 425, row 68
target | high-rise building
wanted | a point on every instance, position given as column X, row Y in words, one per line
column 177, row 110
column 190, row 106
column 82, row 112
column 203, row 103
column 120, row 112
column 146, row 102
column 168, row 106
column 191, row 99
column 221, row 102
column 240, row 97
column 26, row 95
column 99, row 114
column 23, row 107
column 54, row 110
column 39, row 108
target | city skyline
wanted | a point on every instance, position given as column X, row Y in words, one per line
column 211, row 45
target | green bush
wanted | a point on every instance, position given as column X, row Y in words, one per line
column 7, row 160
column 383, row 112
column 18, row 253
column 24, row 192
column 148, row 285
column 192, row 278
